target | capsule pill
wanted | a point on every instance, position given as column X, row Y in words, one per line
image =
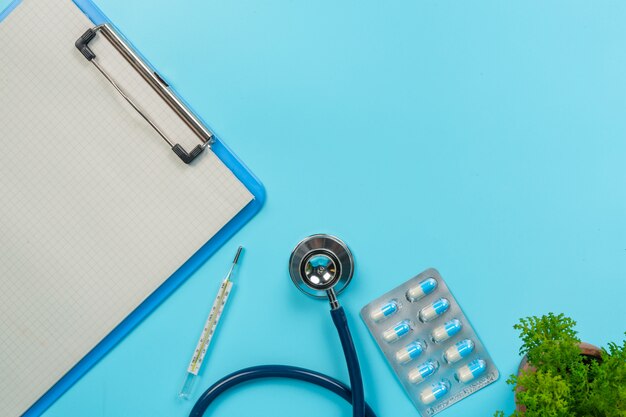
column 434, row 310
column 422, row 372
column 434, row 392
column 422, row 289
column 472, row 370
column 410, row 352
column 446, row 330
column 396, row 332
column 459, row 351
column 385, row 311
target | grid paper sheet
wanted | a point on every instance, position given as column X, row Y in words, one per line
column 96, row 211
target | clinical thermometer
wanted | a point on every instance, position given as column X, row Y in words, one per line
column 207, row 332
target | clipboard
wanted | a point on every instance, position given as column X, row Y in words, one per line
column 186, row 156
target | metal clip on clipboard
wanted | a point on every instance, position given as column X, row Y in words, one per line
column 156, row 82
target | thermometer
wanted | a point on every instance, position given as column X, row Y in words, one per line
column 207, row 332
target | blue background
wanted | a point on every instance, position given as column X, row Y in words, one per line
column 486, row 139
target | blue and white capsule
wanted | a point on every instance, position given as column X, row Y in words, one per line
column 410, row 352
column 459, row 351
column 397, row 332
column 471, row 371
column 435, row 392
column 417, row 375
column 385, row 311
column 446, row 330
column 422, row 289
column 434, row 310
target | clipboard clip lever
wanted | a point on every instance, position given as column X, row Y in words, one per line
column 156, row 82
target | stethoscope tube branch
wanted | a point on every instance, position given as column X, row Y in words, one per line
column 352, row 361
column 354, row 396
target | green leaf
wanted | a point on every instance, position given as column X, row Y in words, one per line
column 561, row 383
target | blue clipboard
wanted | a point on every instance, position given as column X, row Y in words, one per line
column 162, row 292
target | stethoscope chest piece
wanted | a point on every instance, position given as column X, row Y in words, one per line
column 320, row 263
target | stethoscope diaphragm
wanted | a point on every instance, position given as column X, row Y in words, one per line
column 320, row 263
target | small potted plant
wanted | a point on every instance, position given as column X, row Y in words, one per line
column 561, row 377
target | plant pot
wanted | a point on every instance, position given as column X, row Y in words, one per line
column 586, row 349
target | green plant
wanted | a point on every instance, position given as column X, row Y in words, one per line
column 560, row 381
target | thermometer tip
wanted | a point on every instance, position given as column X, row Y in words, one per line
column 237, row 254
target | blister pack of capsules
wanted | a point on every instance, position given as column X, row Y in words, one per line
column 429, row 343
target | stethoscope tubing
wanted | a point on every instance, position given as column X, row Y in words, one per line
column 354, row 396
column 352, row 361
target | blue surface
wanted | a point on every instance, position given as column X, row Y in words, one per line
column 486, row 139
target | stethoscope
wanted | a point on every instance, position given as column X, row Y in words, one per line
column 321, row 266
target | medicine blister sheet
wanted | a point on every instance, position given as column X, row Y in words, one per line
column 429, row 343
